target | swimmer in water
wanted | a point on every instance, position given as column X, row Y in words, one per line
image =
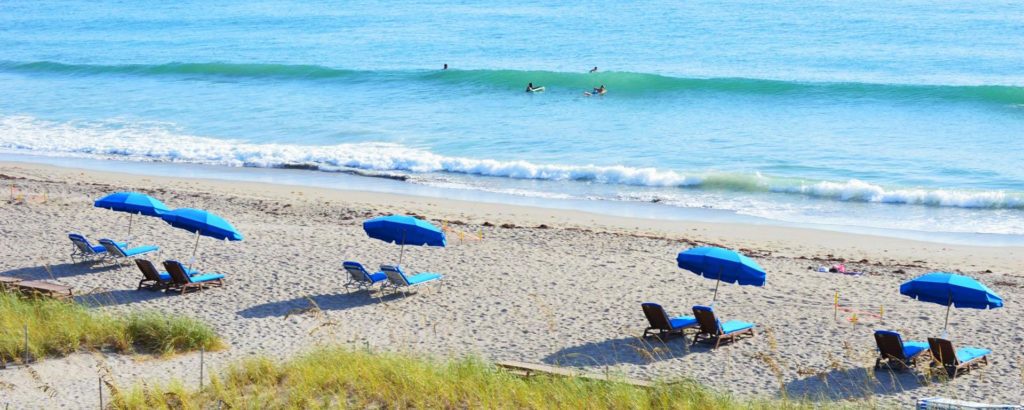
column 600, row 90
column 593, row 70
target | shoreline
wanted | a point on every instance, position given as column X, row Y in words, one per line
column 728, row 234
column 373, row 185
column 538, row 285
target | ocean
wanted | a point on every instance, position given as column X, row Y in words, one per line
column 885, row 116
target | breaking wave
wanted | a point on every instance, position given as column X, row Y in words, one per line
column 158, row 142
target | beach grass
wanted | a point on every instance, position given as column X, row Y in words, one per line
column 335, row 377
column 57, row 328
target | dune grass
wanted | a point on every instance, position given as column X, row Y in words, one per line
column 58, row 328
column 345, row 378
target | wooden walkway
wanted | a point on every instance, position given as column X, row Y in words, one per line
column 35, row 288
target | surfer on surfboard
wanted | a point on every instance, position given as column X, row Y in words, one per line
column 597, row 91
column 531, row 89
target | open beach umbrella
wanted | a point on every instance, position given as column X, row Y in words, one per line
column 404, row 230
column 723, row 265
column 132, row 203
column 950, row 289
column 201, row 223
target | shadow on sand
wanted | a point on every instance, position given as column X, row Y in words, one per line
column 120, row 297
column 632, row 349
column 853, row 384
column 338, row 301
column 56, row 272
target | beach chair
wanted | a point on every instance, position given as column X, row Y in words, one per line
column 360, row 278
column 153, row 279
column 83, row 250
column 894, row 351
column 714, row 331
column 664, row 325
column 182, row 282
column 956, row 360
column 399, row 281
column 118, row 252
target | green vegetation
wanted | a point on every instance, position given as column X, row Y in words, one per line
column 57, row 328
column 343, row 378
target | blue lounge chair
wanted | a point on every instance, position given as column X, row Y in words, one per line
column 399, row 281
column 182, row 282
column 713, row 330
column 894, row 351
column 956, row 360
column 665, row 325
column 83, row 250
column 360, row 278
column 117, row 252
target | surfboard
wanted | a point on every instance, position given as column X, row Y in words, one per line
column 537, row 89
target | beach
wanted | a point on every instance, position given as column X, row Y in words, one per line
column 525, row 284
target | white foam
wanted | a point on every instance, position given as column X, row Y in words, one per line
column 860, row 191
column 162, row 142
column 157, row 142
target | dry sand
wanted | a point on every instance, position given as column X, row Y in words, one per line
column 565, row 293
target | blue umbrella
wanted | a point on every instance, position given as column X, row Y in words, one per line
column 722, row 265
column 132, row 203
column 404, row 230
column 950, row 289
column 202, row 223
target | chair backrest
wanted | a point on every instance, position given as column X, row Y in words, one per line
column 707, row 320
column 81, row 243
column 656, row 316
column 113, row 248
column 148, row 270
column 177, row 272
column 890, row 344
column 942, row 350
column 395, row 274
column 356, row 271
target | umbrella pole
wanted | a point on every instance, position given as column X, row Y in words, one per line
column 401, row 252
column 194, row 248
column 718, row 282
column 130, row 215
column 945, row 326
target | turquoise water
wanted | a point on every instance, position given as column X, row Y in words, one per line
column 878, row 114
